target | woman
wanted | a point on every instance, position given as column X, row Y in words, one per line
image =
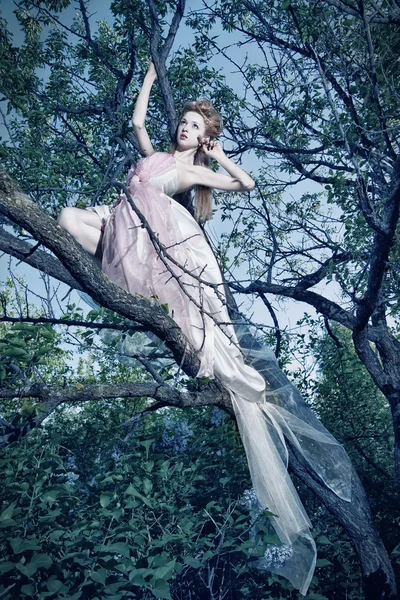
column 194, row 143
column 152, row 246
column 135, row 261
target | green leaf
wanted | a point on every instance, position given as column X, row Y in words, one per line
column 6, row 566
column 165, row 571
column 13, row 352
column 178, row 568
column 322, row 539
column 323, row 562
column 49, row 334
column 396, row 551
column 75, row 596
column 192, row 562
column 203, row 380
column 19, row 545
column 119, row 548
column 99, row 576
column 140, row 540
column 56, row 535
column 55, row 586
column 147, row 443
column 7, row 513
column 105, row 499
column 40, row 561
column 161, row 589
column 92, row 315
column 22, row 568
column 8, row 523
column 108, row 479
column 137, row 579
column 131, row 490
column 147, row 485
column 28, row 589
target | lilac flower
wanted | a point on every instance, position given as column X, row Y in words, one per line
column 217, row 416
column 276, row 555
column 176, row 435
column 72, row 477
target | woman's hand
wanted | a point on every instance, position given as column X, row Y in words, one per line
column 151, row 72
column 211, row 148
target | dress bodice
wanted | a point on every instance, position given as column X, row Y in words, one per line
column 159, row 169
column 168, row 182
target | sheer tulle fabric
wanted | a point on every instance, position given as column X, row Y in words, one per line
column 268, row 408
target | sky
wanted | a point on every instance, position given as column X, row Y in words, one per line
column 289, row 312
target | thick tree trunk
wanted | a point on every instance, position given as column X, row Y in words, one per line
column 395, row 407
column 356, row 519
column 383, row 365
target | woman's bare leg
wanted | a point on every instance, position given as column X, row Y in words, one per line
column 85, row 227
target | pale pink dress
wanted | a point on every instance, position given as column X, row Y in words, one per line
column 133, row 261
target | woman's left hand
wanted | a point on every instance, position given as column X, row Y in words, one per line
column 211, row 148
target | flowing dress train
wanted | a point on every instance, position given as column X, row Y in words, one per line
column 187, row 278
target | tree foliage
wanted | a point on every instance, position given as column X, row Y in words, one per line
column 317, row 103
column 321, row 107
column 84, row 515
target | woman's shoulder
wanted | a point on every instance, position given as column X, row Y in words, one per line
column 158, row 160
column 152, row 166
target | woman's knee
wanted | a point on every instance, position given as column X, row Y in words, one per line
column 67, row 218
column 84, row 226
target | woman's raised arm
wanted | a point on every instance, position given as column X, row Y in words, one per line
column 139, row 114
column 238, row 181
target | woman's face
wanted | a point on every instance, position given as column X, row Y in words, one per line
column 190, row 127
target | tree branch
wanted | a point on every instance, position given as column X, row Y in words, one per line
column 51, row 396
column 20, row 209
column 160, row 52
column 321, row 304
column 39, row 259
column 94, row 46
column 391, row 18
column 173, row 30
column 74, row 323
column 383, row 242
